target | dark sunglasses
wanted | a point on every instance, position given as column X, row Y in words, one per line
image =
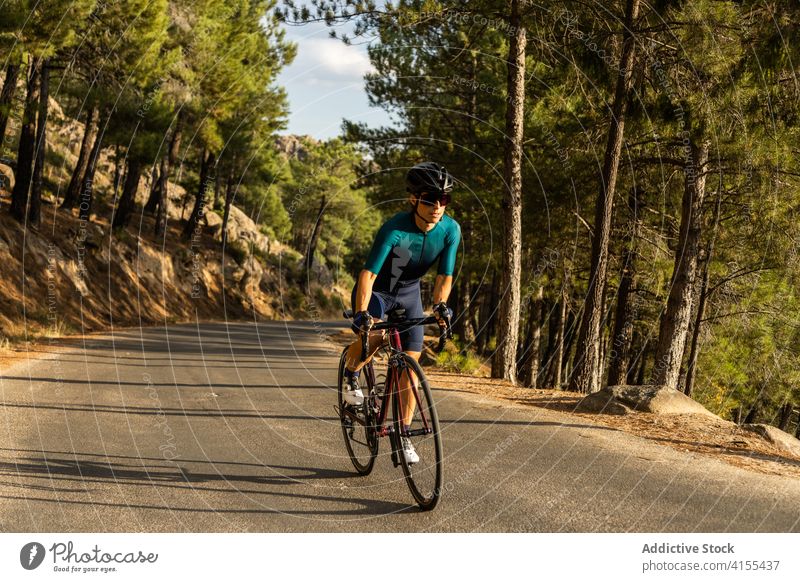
column 431, row 199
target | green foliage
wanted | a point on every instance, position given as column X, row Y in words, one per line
column 324, row 187
column 452, row 359
column 40, row 28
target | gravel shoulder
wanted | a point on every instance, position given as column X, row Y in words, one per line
column 717, row 438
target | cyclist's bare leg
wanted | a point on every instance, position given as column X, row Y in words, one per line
column 407, row 400
column 354, row 362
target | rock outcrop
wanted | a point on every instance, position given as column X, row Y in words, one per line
column 649, row 398
column 6, row 177
column 782, row 440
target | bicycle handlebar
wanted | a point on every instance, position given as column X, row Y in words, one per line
column 401, row 325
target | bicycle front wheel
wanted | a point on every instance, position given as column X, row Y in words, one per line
column 358, row 424
column 415, row 419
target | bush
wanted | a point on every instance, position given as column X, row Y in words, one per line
column 321, row 299
column 294, row 301
column 463, row 362
column 261, row 255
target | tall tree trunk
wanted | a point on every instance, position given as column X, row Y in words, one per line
column 531, row 361
column 755, row 410
column 549, row 351
column 630, row 375
column 127, row 200
column 207, row 177
column 557, row 346
column 570, row 337
column 584, row 376
column 87, row 187
column 463, row 326
column 35, row 212
column 118, row 163
column 701, row 301
column 184, row 204
column 217, row 189
column 226, row 213
column 7, row 98
column 605, row 324
column 74, row 189
column 524, row 345
column 162, row 196
column 625, row 310
column 675, row 321
column 154, row 199
column 473, row 312
column 312, row 245
column 640, row 374
column 504, row 363
column 27, row 144
column 557, row 325
column 785, row 416
column 560, row 336
column 488, row 315
column 167, row 160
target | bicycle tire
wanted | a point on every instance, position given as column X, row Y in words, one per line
column 360, row 440
column 424, row 479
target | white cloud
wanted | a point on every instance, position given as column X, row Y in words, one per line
column 322, row 61
column 325, row 82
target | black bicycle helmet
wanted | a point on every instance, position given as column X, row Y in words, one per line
column 429, row 177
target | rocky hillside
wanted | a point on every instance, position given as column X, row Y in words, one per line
column 70, row 276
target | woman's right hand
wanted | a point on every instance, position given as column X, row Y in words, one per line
column 363, row 320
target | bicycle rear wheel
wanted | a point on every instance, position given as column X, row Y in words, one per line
column 424, row 478
column 358, row 423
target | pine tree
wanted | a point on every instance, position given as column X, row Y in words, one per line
column 48, row 27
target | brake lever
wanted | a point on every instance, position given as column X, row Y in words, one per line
column 445, row 335
column 364, row 342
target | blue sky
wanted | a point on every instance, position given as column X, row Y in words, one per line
column 325, row 84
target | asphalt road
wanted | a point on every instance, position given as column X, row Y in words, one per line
column 232, row 428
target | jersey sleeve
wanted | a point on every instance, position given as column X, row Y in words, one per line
column 384, row 241
column 447, row 260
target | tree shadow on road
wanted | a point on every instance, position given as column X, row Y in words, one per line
column 175, row 475
column 166, row 411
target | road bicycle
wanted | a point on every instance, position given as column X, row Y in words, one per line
column 363, row 426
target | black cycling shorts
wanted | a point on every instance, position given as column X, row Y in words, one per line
column 406, row 296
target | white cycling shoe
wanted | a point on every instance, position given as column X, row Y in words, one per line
column 352, row 393
column 409, row 452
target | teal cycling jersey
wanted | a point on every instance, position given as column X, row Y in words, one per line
column 402, row 253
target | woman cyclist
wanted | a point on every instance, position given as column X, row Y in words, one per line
column 406, row 246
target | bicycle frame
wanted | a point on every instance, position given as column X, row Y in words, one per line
column 394, row 370
column 418, row 410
